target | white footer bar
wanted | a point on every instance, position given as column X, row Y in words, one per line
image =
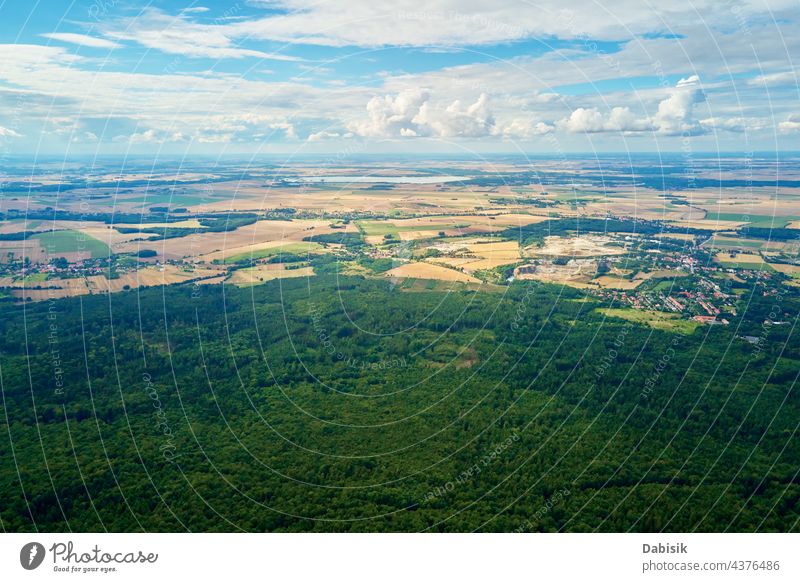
column 400, row 557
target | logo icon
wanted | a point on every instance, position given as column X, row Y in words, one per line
column 31, row 555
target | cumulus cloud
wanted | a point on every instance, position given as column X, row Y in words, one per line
column 675, row 115
column 475, row 120
column 411, row 114
column 734, row 124
column 150, row 136
column 526, row 129
column 392, row 116
column 82, row 40
column 325, row 135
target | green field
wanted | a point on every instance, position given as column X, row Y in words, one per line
column 71, row 241
column 297, row 248
column 755, row 220
column 732, row 243
column 654, row 319
column 35, row 278
column 750, row 266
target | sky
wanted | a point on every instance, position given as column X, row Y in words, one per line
column 384, row 76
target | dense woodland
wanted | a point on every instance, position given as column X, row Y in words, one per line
column 349, row 404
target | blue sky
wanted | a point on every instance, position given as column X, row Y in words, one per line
column 303, row 76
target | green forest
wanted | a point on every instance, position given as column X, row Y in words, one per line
column 348, row 404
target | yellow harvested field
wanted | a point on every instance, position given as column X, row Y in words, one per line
column 220, row 245
column 451, row 225
column 411, row 198
column 453, row 261
column 489, row 221
column 262, row 273
column 147, row 277
column 577, row 246
column 189, row 223
column 19, row 248
column 708, row 224
column 414, row 235
column 429, row 271
column 506, row 250
column 786, row 269
column 793, row 224
column 675, row 235
column 482, row 264
column 474, row 255
column 741, row 258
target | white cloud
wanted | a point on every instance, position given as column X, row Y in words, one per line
column 150, row 136
column 675, row 115
column 526, row 129
column 734, row 124
column 178, row 35
column 475, row 120
column 469, row 23
column 584, row 121
column 7, row 132
column 780, row 79
column 323, row 135
column 391, row 116
column 411, row 114
column 82, row 40
column 791, row 125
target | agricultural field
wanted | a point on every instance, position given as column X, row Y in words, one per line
column 742, row 261
column 471, row 255
column 71, row 243
column 655, row 319
column 271, row 249
column 262, row 273
column 419, row 270
column 54, row 288
column 792, row 271
column 722, row 242
column 254, row 237
column 756, row 220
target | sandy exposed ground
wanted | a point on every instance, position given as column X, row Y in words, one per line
column 577, row 273
column 577, row 246
column 608, row 282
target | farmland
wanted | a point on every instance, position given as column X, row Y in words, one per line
column 349, row 321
